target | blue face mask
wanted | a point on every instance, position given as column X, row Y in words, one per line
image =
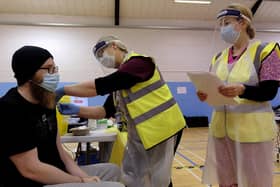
column 229, row 35
column 50, row 82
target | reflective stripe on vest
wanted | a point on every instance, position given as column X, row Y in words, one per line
column 249, row 121
column 152, row 108
column 143, row 92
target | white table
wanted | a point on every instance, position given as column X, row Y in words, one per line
column 94, row 136
column 102, row 136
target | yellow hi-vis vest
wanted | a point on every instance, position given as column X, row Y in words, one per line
column 249, row 121
column 151, row 107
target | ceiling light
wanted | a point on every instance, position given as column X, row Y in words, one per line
column 193, row 2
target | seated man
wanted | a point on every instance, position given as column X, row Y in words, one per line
column 31, row 152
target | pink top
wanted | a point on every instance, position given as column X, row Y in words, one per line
column 231, row 58
column 270, row 68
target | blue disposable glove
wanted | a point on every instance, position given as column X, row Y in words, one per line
column 68, row 108
column 59, row 93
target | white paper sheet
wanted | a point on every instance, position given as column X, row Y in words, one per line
column 208, row 83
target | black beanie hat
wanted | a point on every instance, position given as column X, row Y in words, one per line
column 27, row 60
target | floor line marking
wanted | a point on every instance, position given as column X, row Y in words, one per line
column 195, row 176
column 186, row 158
column 196, row 155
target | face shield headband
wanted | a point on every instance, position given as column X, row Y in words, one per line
column 98, row 47
column 233, row 13
column 102, row 44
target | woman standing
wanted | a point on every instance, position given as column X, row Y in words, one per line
column 141, row 101
column 240, row 136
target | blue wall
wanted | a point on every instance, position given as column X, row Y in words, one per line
column 189, row 103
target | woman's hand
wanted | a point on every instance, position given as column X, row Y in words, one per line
column 232, row 90
column 201, row 95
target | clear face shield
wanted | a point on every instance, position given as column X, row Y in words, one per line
column 227, row 30
column 217, row 43
column 228, row 22
column 106, row 60
column 107, row 56
column 98, row 49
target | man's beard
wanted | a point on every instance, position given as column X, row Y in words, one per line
column 44, row 97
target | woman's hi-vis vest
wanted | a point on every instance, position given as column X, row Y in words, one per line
column 249, row 121
column 151, row 107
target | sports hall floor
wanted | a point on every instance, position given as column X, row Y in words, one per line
column 186, row 170
column 190, row 157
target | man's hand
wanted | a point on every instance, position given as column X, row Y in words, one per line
column 91, row 179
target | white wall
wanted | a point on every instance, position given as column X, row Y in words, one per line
column 175, row 51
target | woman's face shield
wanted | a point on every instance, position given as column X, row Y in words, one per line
column 99, row 53
column 99, row 48
column 229, row 24
column 230, row 16
column 227, row 20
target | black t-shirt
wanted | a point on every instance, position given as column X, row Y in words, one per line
column 25, row 126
